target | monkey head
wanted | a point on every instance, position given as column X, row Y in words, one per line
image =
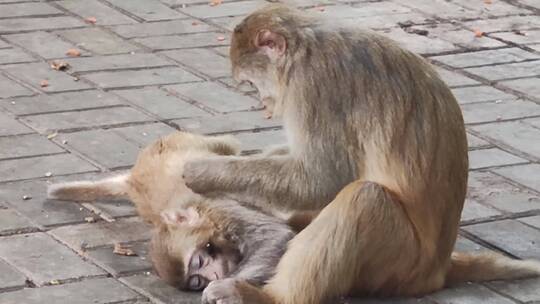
column 189, row 250
column 259, row 48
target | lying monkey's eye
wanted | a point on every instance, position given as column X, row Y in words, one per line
column 210, row 249
column 196, row 283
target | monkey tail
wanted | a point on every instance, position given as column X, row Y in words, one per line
column 488, row 267
column 115, row 187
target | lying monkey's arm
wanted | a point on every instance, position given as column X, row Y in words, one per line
column 280, row 180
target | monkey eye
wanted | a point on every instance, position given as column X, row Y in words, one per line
column 197, row 262
column 210, row 249
column 197, row 283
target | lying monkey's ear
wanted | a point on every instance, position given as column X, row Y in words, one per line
column 273, row 44
column 181, row 217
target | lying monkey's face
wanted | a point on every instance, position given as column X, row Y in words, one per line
column 188, row 252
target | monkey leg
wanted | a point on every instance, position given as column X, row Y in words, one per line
column 361, row 243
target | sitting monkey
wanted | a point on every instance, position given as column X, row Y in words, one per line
column 196, row 240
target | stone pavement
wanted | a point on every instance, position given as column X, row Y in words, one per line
column 148, row 67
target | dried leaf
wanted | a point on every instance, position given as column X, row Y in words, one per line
column 90, row 20
column 54, row 282
column 90, row 219
column 220, row 38
column 320, row 8
column 53, row 135
column 73, row 53
column 194, row 23
column 488, row 1
column 44, row 84
column 215, row 2
column 123, row 250
column 478, row 33
column 59, row 65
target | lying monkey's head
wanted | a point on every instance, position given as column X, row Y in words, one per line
column 260, row 44
column 189, row 250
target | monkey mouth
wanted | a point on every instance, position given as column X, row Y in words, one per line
column 217, row 276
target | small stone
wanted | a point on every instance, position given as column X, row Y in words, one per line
column 26, row 197
column 64, row 142
column 54, row 282
column 48, row 174
column 90, row 219
column 52, row 135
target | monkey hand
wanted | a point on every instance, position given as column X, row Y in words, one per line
column 222, row 292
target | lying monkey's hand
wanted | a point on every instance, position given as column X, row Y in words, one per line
column 222, row 292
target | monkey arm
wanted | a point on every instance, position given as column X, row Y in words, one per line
column 280, row 180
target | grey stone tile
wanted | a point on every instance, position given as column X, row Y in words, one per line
column 523, row 290
column 26, row 145
column 85, row 119
column 533, row 221
column 513, row 134
column 26, row 168
column 9, row 88
column 202, row 60
column 510, row 235
column 14, row 55
column 535, row 122
column 161, row 103
column 504, row 24
column 87, row 236
column 149, row 10
column 500, row 110
column 469, row 294
column 453, row 79
column 10, row 126
column 527, row 175
column 104, row 14
column 158, row 76
column 159, row 292
column 196, row 40
column 33, row 24
column 495, row 8
column 531, row 3
column 243, row 87
column 238, row 121
column 463, row 38
column 480, row 94
column 13, row 222
column 28, row 9
column 419, row 44
column 98, row 41
column 35, row 73
column 44, row 44
column 40, row 210
column 43, row 259
column 229, row 23
column 476, row 142
column 259, row 141
column 529, row 86
column 493, row 157
column 93, row 291
column 377, row 22
column 466, row 245
column 68, row 101
column 116, row 208
column 473, row 211
column 521, row 37
column 488, row 57
column 363, row 10
column 507, row 71
column 184, row 26
column 386, row 301
column 10, row 277
column 144, row 134
column 214, row 96
column 440, row 8
column 3, row 44
column 116, row 62
column 103, row 146
column 120, row 264
column 493, row 190
column 224, row 9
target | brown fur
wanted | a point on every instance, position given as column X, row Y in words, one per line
column 359, row 111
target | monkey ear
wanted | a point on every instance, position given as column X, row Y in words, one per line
column 181, row 217
column 273, row 44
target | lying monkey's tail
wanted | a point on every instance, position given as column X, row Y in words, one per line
column 115, row 187
column 488, row 267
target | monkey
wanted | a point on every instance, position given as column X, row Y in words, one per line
column 376, row 142
column 195, row 241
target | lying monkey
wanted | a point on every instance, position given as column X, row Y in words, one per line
column 197, row 240
column 377, row 141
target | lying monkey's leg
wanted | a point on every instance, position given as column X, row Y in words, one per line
column 362, row 242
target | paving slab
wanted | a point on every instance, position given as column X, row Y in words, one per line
column 27, row 145
column 223, row 10
column 521, row 37
column 474, row 211
column 12, row 222
column 162, row 28
column 94, row 291
column 513, row 134
column 10, row 126
column 419, row 44
column 507, row 71
column 10, row 88
column 91, row 235
column 85, row 119
column 499, row 110
column 454, row 79
column 62, row 102
column 10, row 277
column 527, row 175
column 476, row 142
column 40, row 258
column 504, row 24
column 120, row 265
column 146, row 134
column 488, row 57
column 469, row 294
column 161, row 103
column 203, row 60
column 116, row 62
column 197, row 40
column 259, row 141
column 104, row 14
column 28, row 9
column 32, row 24
column 159, row 292
column 480, row 94
column 44, row 44
column 148, row 10
column 527, row 86
column 14, row 55
column 98, row 41
column 510, row 235
column 237, row 121
column 523, row 290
